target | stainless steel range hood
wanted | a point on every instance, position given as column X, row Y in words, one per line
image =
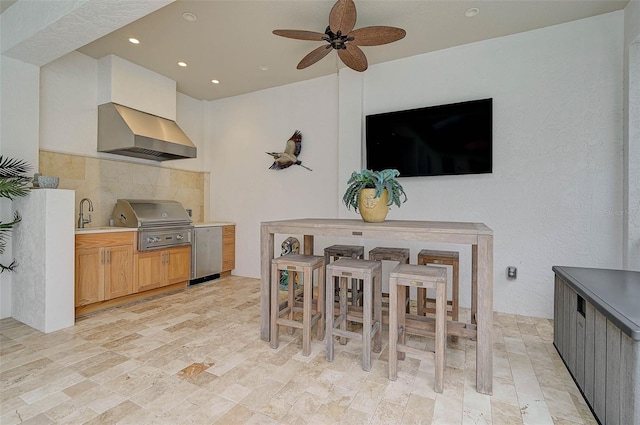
column 126, row 131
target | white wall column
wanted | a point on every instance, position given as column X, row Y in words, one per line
column 631, row 207
column 43, row 243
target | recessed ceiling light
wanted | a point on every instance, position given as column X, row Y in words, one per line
column 215, row 81
column 183, row 64
column 263, row 68
column 189, row 16
column 470, row 13
column 134, row 41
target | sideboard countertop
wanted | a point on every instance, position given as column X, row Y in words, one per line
column 615, row 293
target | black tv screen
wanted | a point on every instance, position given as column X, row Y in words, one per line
column 433, row 141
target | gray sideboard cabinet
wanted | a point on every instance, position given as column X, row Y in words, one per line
column 597, row 334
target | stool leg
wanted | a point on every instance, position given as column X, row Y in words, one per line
column 422, row 296
column 306, row 310
column 377, row 311
column 321, row 308
column 455, row 292
column 291, row 291
column 344, row 283
column 474, row 283
column 393, row 328
column 275, row 305
column 367, row 302
column 402, row 318
column 330, row 297
column 441, row 335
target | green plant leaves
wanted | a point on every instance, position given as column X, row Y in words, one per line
column 13, row 184
column 379, row 180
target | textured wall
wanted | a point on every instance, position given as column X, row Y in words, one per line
column 555, row 193
column 43, row 243
column 104, row 181
column 557, row 178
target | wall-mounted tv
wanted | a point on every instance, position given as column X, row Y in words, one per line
column 439, row 140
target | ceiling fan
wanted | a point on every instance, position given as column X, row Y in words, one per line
column 341, row 36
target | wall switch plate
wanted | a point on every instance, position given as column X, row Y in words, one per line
column 512, row 272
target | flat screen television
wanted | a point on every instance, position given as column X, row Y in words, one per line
column 433, row 141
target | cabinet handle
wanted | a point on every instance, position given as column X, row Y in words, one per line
column 168, row 257
column 108, row 256
column 101, row 255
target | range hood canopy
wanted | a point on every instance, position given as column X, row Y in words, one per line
column 127, row 131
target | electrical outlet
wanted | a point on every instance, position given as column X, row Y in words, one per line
column 512, row 272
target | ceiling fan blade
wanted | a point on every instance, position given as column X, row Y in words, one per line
column 353, row 57
column 301, row 35
column 314, row 56
column 343, row 17
column 375, row 36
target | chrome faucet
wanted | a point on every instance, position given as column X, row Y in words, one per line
column 81, row 220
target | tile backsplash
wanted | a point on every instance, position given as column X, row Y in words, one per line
column 106, row 180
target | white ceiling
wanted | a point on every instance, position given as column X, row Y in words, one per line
column 230, row 40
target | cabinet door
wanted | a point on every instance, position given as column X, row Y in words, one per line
column 228, row 248
column 89, row 269
column 178, row 264
column 149, row 270
column 118, row 271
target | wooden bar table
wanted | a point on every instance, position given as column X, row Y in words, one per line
column 478, row 235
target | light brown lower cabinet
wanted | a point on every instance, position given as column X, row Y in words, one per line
column 228, row 248
column 155, row 269
column 103, row 267
column 110, row 272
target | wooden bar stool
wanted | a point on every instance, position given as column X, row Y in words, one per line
column 402, row 277
column 401, row 255
column 335, row 252
column 369, row 273
column 440, row 258
column 305, row 264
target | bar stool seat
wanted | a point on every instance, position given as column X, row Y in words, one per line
column 369, row 273
column 305, row 264
column 441, row 258
column 335, row 252
column 426, row 277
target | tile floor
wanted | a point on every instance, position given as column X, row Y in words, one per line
column 195, row 357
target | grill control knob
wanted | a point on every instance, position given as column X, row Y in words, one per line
column 150, row 240
column 179, row 237
column 157, row 239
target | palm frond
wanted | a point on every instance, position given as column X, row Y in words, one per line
column 13, row 184
column 12, row 168
column 5, row 230
column 13, row 181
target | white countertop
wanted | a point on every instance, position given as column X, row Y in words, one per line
column 107, row 229
column 214, row 223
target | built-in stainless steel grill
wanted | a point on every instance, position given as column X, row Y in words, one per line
column 160, row 224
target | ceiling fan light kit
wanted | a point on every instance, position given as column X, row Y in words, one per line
column 341, row 36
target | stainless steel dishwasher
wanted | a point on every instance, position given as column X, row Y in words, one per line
column 206, row 253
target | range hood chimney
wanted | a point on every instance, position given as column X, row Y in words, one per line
column 127, row 131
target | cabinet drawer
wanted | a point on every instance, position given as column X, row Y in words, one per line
column 96, row 240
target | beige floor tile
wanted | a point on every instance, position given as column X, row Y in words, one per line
column 178, row 359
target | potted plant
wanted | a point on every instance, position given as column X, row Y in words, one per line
column 372, row 192
column 13, row 183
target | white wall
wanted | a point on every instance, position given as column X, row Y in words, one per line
column 18, row 139
column 243, row 188
column 69, row 113
column 557, row 180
